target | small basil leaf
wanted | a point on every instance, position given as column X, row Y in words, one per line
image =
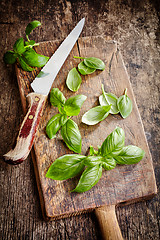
column 71, row 136
column 34, row 59
column 89, row 178
column 67, row 166
column 63, row 119
column 10, row 57
column 92, row 161
column 108, row 163
column 73, row 105
column 96, row 115
column 53, row 126
column 30, row 43
column 114, row 143
column 18, row 47
column 92, row 151
column 124, row 104
column 32, row 26
column 24, row 65
column 129, row 155
column 73, row 80
column 84, row 70
column 57, row 98
column 95, row 63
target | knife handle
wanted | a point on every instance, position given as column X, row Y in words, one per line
column 27, row 130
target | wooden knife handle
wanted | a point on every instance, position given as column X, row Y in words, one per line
column 27, row 130
column 108, row 223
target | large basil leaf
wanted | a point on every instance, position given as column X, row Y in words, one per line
column 57, row 98
column 84, row 70
column 31, row 26
column 18, row 47
column 24, row 65
column 92, row 161
column 71, row 136
column 124, row 104
column 65, row 167
column 73, row 105
column 10, row 57
column 114, row 143
column 34, row 59
column 73, row 80
column 95, row 63
column 96, row 115
column 108, row 163
column 129, row 155
column 54, row 125
column 89, row 178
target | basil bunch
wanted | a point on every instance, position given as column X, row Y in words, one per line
column 23, row 51
column 69, row 129
column 111, row 152
column 88, row 66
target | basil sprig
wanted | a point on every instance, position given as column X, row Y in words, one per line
column 69, row 129
column 111, row 152
column 23, row 51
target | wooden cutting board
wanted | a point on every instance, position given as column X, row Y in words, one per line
column 122, row 185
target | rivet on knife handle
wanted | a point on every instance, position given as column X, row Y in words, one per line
column 28, row 129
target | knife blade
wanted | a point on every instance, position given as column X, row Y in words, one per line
column 41, row 86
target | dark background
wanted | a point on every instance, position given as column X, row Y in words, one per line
column 135, row 25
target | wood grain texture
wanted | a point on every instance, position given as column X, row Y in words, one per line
column 124, row 183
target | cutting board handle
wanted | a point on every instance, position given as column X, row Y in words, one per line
column 27, row 130
column 108, row 223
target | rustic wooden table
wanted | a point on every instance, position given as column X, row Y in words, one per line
column 135, row 25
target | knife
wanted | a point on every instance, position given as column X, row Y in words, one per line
column 41, row 87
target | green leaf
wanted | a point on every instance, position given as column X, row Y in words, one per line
column 95, row 63
column 114, row 143
column 53, row 126
column 57, row 98
column 71, row 136
column 73, row 105
column 73, row 80
column 108, row 163
column 31, row 26
column 124, row 104
column 92, row 151
column 30, row 43
column 24, row 65
column 34, row 59
column 10, row 57
column 84, row 70
column 129, row 155
column 18, row 47
column 89, row 178
column 67, row 166
column 92, row 161
column 96, row 115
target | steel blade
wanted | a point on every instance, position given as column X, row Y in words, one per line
column 43, row 82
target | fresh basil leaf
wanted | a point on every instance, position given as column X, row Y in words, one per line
column 30, row 43
column 95, row 63
column 108, row 163
column 96, row 115
column 31, row 26
column 53, row 126
column 57, row 98
column 67, row 166
column 73, row 80
column 129, row 155
column 73, row 105
column 84, row 70
column 92, row 161
column 92, row 151
column 124, row 104
column 34, row 59
column 18, row 47
column 24, row 65
column 71, row 136
column 114, row 143
column 10, row 57
column 89, row 178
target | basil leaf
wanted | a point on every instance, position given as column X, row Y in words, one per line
column 96, row 115
column 84, row 70
column 53, row 126
column 92, row 151
column 129, row 155
column 10, row 57
column 89, row 178
column 108, row 163
column 95, row 63
column 24, row 65
column 30, row 43
column 57, row 98
column 114, row 143
column 32, row 26
column 34, row 59
column 73, row 105
column 73, row 80
column 67, row 166
column 71, row 136
column 124, row 104
column 18, row 47
column 92, row 161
